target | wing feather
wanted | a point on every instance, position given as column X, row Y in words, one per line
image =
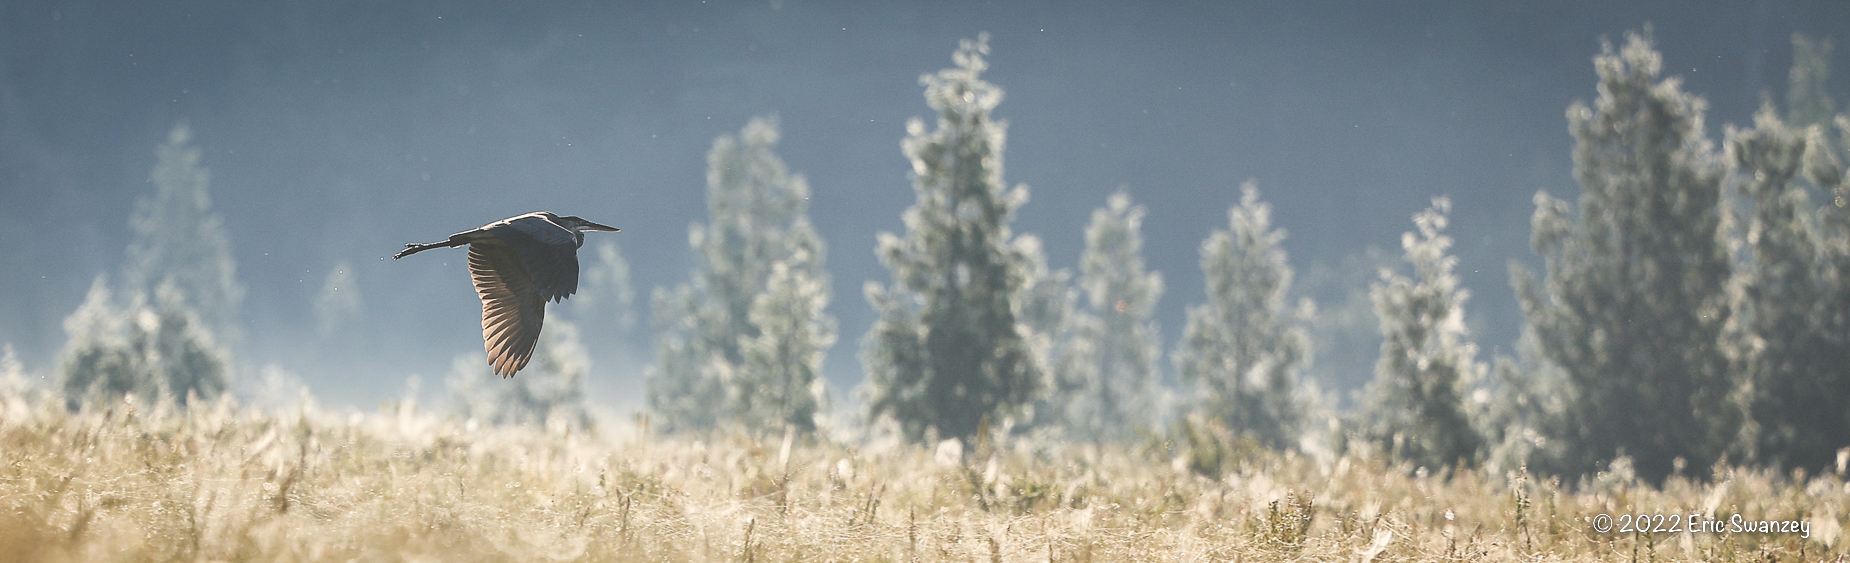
column 512, row 307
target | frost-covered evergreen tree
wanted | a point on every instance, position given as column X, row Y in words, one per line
column 1633, row 301
column 1812, row 414
column 179, row 239
column 1112, row 392
column 1244, row 347
column 1772, row 291
column 552, row 393
column 705, row 375
column 1416, row 406
column 1048, row 308
column 1787, row 333
column 163, row 333
column 948, row 351
column 153, row 350
column 785, row 360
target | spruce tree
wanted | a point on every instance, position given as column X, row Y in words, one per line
column 1244, row 347
column 179, row 239
column 1416, row 406
column 758, row 227
column 155, row 349
column 1769, row 336
column 163, row 333
column 1786, row 333
column 1808, row 416
column 1048, row 309
column 1114, row 391
column 785, row 360
column 1633, row 301
column 948, row 351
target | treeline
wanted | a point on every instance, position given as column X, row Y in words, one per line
column 164, row 329
column 1693, row 307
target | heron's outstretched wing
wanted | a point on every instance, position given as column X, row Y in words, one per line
column 548, row 250
column 512, row 308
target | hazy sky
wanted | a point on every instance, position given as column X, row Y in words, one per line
column 338, row 131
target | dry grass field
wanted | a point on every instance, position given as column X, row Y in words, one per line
column 221, row 483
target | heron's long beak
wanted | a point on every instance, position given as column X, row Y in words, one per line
column 589, row 226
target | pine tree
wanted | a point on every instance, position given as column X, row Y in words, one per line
column 1769, row 336
column 153, row 350
column 1810, row 414
column 1416, row 405
column 1048, row 310
column 1633, row 302
column 705, row 329
column 1244, row 346
column 163, row 334
column 786, row 357
column 1114, row 392
column 948, row 352
column 1786, row 332
column 179, row 239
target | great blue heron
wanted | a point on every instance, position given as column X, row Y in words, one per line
column 519, row 264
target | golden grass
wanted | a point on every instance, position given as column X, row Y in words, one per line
column 221, row 483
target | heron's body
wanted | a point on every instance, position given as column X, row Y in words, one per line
column 519, row 264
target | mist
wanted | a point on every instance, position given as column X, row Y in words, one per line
column 335, row 133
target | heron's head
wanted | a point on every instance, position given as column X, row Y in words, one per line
column 576, row 223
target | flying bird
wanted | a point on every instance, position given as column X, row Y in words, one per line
column 519, row 264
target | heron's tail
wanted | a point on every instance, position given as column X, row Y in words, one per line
column 414, row 248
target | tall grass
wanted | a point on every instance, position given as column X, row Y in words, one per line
column 217, row 482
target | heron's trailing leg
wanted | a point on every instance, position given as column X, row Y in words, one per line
column 518, row 264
